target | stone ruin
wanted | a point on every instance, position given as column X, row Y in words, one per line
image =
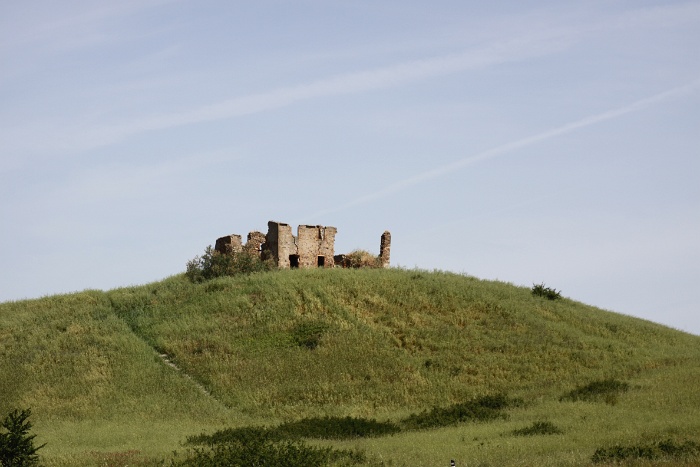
column 312, row 247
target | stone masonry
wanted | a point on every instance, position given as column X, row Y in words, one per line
column 385, row 249
column 255, row 242
column 229, row 244
column 312, row 247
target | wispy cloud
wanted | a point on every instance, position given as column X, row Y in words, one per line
column 514, row 146
column 84, row 133
column 124, row 181
column 60, row 27
column 83, row 136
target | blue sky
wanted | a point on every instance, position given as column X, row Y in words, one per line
column 528, row 141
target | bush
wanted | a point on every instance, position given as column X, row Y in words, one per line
column 338, row 428
column 603, row 390
column 259, row 452
column 319, row 428
column 360, row 259
column 667, row 449
column 17, row 445
column 215, row 264
column 540, row 290
column 481, row 409
column 538, row 428
column 309, row 334
column 262, row 446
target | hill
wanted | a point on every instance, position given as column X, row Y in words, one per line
column 130, row 373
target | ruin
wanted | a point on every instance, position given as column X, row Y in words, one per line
column 312, row 247
column 385, row 249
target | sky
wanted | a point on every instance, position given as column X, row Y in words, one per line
column 526, row 141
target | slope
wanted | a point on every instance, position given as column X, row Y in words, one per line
column 295, row 343
column 290, row 344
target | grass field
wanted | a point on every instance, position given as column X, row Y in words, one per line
column 123, row 377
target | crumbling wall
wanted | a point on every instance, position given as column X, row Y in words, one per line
column 228, row 244
column 281, row 243
column 326, row 247
column 385, row 249
column 255, row 243
column 316, row 246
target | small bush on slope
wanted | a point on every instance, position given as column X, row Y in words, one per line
column 606, row 390
column 214, row 264
column 309, row 334
column 267, row 452
column 540, row 290
column 338, row 428
column 667, row 449
column 315, row 427
column 481, row 409
column 261, row 446
column 538, row 428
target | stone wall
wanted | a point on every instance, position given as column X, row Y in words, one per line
column 228, row 244
column 281, row 243
column 255, row 243
column 316, row 246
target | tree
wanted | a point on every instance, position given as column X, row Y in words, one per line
column 17, row 445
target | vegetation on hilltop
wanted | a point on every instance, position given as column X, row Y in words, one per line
column 139, row 369
column 216, row 264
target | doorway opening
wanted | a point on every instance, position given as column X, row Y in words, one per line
column 293, row 261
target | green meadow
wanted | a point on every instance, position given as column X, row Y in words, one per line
column 128, row 376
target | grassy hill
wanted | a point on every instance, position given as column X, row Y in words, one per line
column 125, row 376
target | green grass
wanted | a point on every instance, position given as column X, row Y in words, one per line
column 278, row 347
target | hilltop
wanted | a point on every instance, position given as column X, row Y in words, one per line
column 139, row 369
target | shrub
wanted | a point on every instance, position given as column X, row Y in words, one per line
column 538, row 428
column 262, row 446
column 338, row 428
column 309, row 334
column 320, row 428
column 481, row 409
column 603, row 390
column 17, row 445
column 540, row 290
column 667, row 449
column 259, row 452
column 360, row 259
column 215, row 264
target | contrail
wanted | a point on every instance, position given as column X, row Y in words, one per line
column 514, row 145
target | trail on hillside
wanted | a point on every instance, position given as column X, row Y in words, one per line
column 166, row 359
